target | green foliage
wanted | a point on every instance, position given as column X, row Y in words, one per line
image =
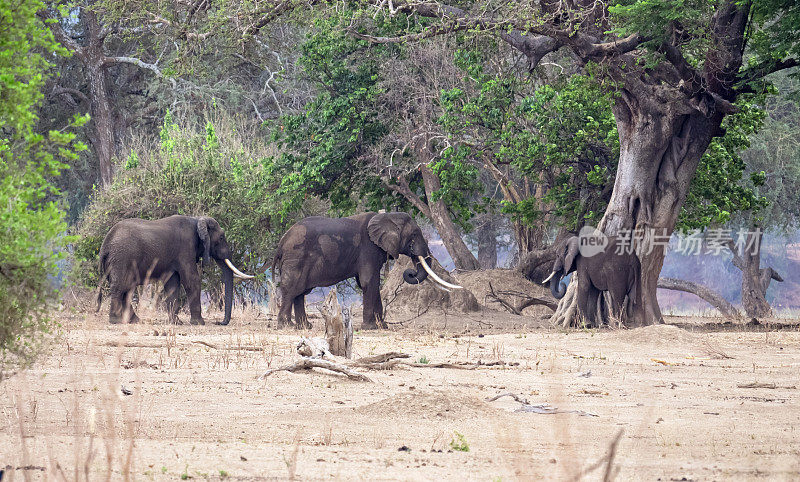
column 721, row 187
column 324, row 144
column 31, row 223
column 775, row 33
column 459, row 443
column 220, row 171
column 340, row 145
column 654, row 19
column 562, row 137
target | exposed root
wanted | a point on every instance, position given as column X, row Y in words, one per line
column 566, row 314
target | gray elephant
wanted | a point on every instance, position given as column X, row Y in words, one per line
column 607, row 270
column 136, row 250
column 319, row 251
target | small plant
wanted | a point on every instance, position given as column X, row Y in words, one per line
column 164, row 470
column 223, row 474
column 459, row 443
column 185, row 474
column 423, row 360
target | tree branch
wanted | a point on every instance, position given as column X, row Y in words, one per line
column 686, row 72
column 404, row 190
column 68, row 93
column 61, row 36
column 141, row 64
column 717, row 301
column 763, row 69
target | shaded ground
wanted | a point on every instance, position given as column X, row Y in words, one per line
column 684, row 399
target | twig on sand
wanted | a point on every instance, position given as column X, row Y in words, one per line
column 516, row 397
column 457, row 366
column 308, row 363
column 543, row 408
column 764, row 385
column 382, row 358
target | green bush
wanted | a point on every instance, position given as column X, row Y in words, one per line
column 219, row 170
column 32, row 225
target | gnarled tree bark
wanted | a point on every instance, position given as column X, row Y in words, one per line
column 487, row 242
column 755, row 280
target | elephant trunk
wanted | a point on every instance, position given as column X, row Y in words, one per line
column 417, row 275
column 557, row 288
column 227, row 280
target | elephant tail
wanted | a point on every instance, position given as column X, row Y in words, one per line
column 276, row 261
column 102, row 279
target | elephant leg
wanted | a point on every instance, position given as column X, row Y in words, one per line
column 190, row 280
column 300, row 317
column 589, row 305
column 287, row 301
column 128, row 314
column 117, row 305
column 172, row 297
column 373, row 307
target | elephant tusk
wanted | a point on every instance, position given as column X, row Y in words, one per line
column 236, row 272
column 435, row 277
column 548, row 278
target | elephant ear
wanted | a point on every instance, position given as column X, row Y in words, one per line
column 202, row 233
column 384, row 230
column 571, row 251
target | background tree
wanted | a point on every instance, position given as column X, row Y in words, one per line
column 774, row 154
column 371, row 132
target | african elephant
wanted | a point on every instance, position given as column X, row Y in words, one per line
column 618, row 273
column 137, row 250
column 319, row 251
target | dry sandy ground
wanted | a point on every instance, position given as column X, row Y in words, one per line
column 679, row 398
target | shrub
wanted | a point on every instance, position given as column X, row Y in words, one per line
column 219, row 170
column 31, row 224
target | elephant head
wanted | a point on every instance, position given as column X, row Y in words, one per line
column 398, row 233
column 563, row 265
column 212, row 244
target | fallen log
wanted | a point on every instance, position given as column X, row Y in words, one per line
column 308, row 363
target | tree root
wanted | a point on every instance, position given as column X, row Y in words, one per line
column 566, row 314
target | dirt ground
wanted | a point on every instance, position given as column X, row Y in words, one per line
column 687, row 403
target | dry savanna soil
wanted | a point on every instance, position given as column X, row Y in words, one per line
column 165, row 402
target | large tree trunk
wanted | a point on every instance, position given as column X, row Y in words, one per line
column 487, row 242
column 447, row 229
column 94, row 60
column 754, row 292
column 103, row 136
column 659, row 153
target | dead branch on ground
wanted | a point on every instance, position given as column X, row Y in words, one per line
column 525, row 300
column 308, row 363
